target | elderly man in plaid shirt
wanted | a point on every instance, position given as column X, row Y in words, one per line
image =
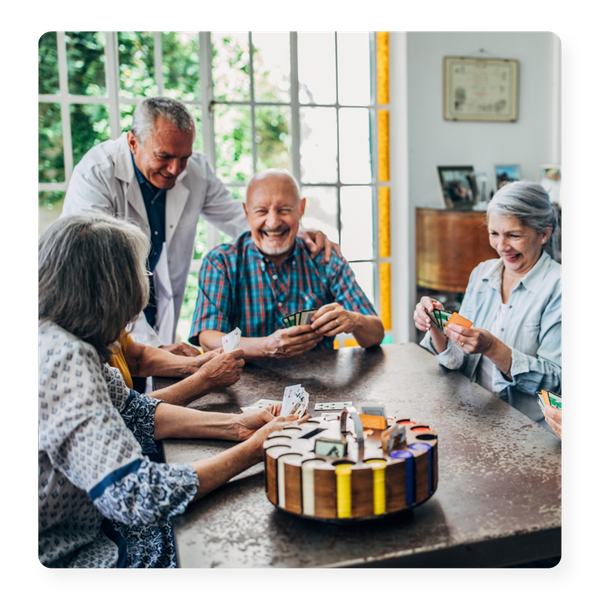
column 267, row 273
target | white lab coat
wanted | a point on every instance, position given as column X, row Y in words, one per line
column 105, row 180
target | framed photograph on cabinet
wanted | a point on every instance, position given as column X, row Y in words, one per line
column 506, row 174
column 457, row 186
column 480, row 89
column 550, row 178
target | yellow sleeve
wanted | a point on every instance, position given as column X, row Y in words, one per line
column 118, row 358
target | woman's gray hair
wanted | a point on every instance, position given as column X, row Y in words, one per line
column 149, row 109
column 529, row 202
column 92, row 277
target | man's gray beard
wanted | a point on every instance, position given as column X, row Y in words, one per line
column 277, row 251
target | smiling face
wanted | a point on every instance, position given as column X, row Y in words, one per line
column 519, row 246
column 164, row 154
column 274, row 209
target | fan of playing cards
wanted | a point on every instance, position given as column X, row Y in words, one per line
column 441, row 318
column 550, row 398
column 302, row 317
column 295, row 402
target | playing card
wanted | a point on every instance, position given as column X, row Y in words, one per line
column 456, row 318
column 300, row 403
column 231, row 340
column 443, row 317
column 331, row 405
column 393, row 437
column 262, row 403
column 306, row 316
column 555, row 400
column 289, row 397
column 433, row 319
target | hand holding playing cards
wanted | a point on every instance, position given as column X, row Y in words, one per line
column 554, row 419
column 472, row 340
column 333, row 319
column 294, row 341
column 316, row 241
column 251, row 422
column 422, row 320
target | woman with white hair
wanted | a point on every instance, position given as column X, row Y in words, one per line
column 102, row 502
column 514, row 302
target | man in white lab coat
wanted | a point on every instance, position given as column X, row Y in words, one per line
column 152, row 175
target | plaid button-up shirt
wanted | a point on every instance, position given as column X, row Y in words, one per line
column 240, row 287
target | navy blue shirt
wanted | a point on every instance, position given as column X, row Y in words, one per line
column 155, row 202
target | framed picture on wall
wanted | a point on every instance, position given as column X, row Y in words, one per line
column 457, row 186
column 550, row 178
column 506, row 174
column 480, row 89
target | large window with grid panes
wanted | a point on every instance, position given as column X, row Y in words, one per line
column 305, row 102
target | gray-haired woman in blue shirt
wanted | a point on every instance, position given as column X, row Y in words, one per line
column 514, row 302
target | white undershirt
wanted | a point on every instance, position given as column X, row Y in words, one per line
column 486, row 366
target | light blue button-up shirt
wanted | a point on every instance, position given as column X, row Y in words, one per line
column 531, row 328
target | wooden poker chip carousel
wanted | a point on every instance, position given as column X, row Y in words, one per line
column 349, row 469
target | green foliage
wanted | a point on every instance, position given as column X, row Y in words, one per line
column 181, row 79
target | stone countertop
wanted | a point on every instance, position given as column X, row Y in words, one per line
column 498, row 500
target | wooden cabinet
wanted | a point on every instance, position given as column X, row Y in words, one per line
column 450, row 244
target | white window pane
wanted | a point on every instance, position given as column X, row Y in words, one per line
column 316, row 68
column 271, row 66
column 357, row 223
column 318, row 145
column 364, row 276
column 355, row 145
column 321, row 211
column 231, row 62
column 354, row 68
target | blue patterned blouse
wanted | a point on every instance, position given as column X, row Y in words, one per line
column 100, row 497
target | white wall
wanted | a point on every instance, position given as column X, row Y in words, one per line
column 416, row 72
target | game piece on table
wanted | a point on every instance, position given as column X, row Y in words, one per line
column 393, row 438
column 373, row 410
column 331, row 447
column 373, row 421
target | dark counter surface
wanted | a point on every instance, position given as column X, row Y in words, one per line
column 498, row 500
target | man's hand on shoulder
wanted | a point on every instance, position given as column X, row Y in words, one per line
column 317, row 241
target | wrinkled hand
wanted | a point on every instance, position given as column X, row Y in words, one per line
column 554, row 419
column 222, row 370
column 262, row 424
column 205, row 357
column 294, row 341
column 332, row 319
column 422, row 321
column 470, row 339
column 181, row 349
column 316, row 241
